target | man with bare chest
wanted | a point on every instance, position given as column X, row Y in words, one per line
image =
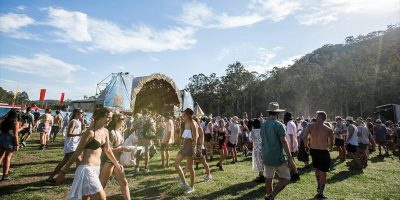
column 318, row 138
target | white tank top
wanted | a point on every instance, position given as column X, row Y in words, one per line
column 187, row 134
column 354, row 139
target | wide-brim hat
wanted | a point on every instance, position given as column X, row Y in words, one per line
column 349, row 118
column 359, row 120
column 235, row 119
column 274, row 107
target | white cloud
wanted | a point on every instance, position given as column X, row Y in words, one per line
column 12, row 22
column 42, row 65
column 276, row 10
column 73, row 25
column 154, row 59
column 21, row 8
column 223, row 53
column 97, row 34
column 200, row 15
column 263, row 63
column 316, row 18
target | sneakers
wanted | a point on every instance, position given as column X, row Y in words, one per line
column 6, row 178
column 184, row 186
column 260, row 179
column 190, row 190
column 208, row 178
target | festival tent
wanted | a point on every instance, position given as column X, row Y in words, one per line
column 198, row 111
column 117, row 94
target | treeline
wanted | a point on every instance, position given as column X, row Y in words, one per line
column 342, row 79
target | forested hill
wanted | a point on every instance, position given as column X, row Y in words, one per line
column 342, row 79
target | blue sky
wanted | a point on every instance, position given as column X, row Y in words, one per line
column 69, row 47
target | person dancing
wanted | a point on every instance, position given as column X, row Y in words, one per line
column 86, row 182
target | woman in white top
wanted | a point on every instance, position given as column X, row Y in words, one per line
column 71, row 142
column 86, row 182
column 188, row 150
column 352, row 141
column 257, row 161
column 116, row 134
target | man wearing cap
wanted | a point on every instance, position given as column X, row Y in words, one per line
column 275, row 152
column 380, row 132
column 318, row 138
column 352, row 141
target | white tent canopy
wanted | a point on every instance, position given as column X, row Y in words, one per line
column 198, row 111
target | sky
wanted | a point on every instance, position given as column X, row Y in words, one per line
column 64, row 46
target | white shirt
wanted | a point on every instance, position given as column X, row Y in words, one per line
column 71, row 143
column 233, row 138
column 354, row 139
column 291, row 129
column 363, row 135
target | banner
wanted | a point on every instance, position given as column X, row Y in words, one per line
column 118, row 92
column 16, row 92
column 62, row 98
column 42, row 94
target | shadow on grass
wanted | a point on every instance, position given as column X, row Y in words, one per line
column 343, row 175
column 377, row 159
column 234, row 190
column 29, row 187
column 35, row 163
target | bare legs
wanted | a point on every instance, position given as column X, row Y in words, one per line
column 271, row 193
column 6, row 160
column 178, row 169
column 105, row 174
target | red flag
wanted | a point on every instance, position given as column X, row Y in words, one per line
column 42, row 94
column 62, row 98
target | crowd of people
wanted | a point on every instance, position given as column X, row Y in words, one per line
column 273, row 143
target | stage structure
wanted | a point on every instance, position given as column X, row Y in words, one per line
column 123, row 92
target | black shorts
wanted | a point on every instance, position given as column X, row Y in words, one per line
column 362, row 147
column 339, row 142
column 164, row 147
column 207, row 137
column 351, row 148
column 321, row 159
column 230, row 145
column 54, row 130
column 25, row 131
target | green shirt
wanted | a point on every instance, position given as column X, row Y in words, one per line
column 272, row 150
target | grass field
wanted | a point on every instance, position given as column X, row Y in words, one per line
column 380, row 180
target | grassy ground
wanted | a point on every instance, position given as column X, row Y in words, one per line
column 32, row 166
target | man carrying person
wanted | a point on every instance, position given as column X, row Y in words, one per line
column 276, row 155
column 318, row 139
column 364, row 138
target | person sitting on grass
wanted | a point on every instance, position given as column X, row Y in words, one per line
column 275, row 152
column 71, row 141
column 116, row 135
column 189, row 137
column 86, row 182
column 9, row 140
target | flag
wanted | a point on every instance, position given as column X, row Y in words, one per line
column 62, row 98
column 42, row 94
column 16, row 92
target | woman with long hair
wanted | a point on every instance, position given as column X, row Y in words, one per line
column 116, row 134
column 221, row 137
column 44, row 127
column 86, row 182
column 188, row 150
column 9, row 139
column 71, row 141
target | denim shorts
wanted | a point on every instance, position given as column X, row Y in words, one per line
column 7, row 141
